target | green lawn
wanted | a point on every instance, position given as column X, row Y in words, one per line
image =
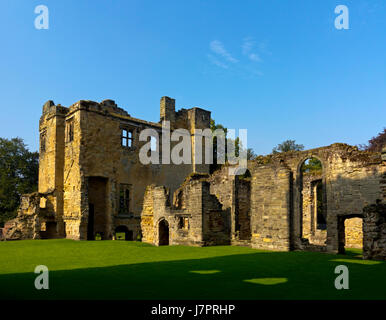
column 133, row 270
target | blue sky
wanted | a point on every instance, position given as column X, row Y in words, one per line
column 277, row 68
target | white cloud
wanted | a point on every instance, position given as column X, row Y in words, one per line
column 247, row 46
column 217, row 62
column 252, row 51
column 218, row 48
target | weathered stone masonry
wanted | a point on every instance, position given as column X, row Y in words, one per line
column 351, row 181
column 91, row 182
column 90, row 178
column 275, row 208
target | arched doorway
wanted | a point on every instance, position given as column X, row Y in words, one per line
column 163, row 233
column 313, row 218
column 123, row 233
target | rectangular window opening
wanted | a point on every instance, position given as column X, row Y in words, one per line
column 124, row 199
column 153, row 143
column 70, row 130
column 183, row 223
column 43, row 142
column 127, row 138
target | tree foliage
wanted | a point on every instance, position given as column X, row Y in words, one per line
column 238, row 145
column 312, row 166
column 376, row 143
column 251, row 155
column 288, row 145
column 18, row 175
column 214, row 126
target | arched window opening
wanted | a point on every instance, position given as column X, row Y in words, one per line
column 313, row 207
column 163, row 233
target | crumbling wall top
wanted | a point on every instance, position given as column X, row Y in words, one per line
column 342, row 150
column 50, row 108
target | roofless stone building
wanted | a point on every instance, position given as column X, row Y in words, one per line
column 91, row 183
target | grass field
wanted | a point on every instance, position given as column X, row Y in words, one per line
column 133, row 270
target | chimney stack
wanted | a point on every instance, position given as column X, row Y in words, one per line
column 167, row 109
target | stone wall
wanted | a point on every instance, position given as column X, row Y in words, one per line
column 51, row 159
column 223, row 187
column 351, row 180
column 27, row 223
column 353, row 183
column 75, row 208
column 83, row 143
column 196, row 217
column 270, row 207
column 353, row 233
column 374, row 232
column 242, row 211
column 216, row 221
column 157, row 208
column 103, row 156
column 234, row 194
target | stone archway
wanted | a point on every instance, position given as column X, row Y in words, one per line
column 312, row 205
column 163, row 233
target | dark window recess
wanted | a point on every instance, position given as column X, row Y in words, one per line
column 70, row 131
column 181, row 222
column 320, row 217
column 124, row 200
column 127, row 200
column 43, row 142
column 127, row 138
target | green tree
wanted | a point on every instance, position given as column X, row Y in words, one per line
column 376, row 143
column 251, row 155
column 312, row 166
column 288, row 145
column 213, row 126
column 18, row 175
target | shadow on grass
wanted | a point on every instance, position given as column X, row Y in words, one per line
column 261, row 275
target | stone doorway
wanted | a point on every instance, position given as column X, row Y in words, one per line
column 313, row 222
column 50, row 230
column 163, row 233
column 97, row 218
column 350, row 232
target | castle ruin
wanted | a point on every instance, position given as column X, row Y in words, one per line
column 91, row 182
